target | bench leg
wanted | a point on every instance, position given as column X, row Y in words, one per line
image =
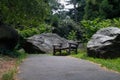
column 76, row 51
column 54, row 51
column 60, row 51
column 69, row 51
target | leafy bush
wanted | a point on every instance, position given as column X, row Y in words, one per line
column 14, row 53
column 24, row 12
column 72, row 35
column 32, row 31
column 116, row 22
column 9, row 75
column 90, row 27
column 68, row 29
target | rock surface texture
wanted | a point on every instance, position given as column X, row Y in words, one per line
column 8, row 37
column 43, row 43
column 105, row 43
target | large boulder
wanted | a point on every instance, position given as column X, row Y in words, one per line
column 105, row 43
column 8, row 37
column 43, row 43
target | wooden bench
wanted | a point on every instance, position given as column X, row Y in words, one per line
column 71, row 47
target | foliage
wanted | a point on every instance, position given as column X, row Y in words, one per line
column 54, row 20
column 54, row 5
column 22, row 55
column 81, row 54
column 8, row 52
column 116, row 22
column 9, row 75
column 91, row 9
column 78, row 11
column 105, row 8
column 25, row 13
column 72, row 35
column 91, row 26
column 65, row 27
column 38, row 30
column 14, row 53
column 102, row 8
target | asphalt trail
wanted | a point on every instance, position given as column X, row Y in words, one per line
column 46, row 67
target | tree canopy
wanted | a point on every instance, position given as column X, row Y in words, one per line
column 102, row 8
column 31, row 17
column 23, row 12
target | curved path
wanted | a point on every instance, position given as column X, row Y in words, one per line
column 46, row 67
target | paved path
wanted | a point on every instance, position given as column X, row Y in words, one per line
column 45, row 67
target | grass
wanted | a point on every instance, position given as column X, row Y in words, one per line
column 21, row 57
column 10, row 75
column 113, row 64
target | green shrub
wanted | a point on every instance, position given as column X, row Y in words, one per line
column 8, row 53
column 116, row 22
column 14, row 53
column 66, row 27
column 72, row 35
column 38, row 30
column 44, row 28
column 91, row 27
column 9, row 75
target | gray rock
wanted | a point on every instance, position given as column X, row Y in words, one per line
column 43, row 43
column 105, row 43
column 8, row 37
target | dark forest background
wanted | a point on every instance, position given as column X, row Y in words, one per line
column 30, row 17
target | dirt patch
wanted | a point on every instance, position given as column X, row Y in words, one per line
column 6, row 64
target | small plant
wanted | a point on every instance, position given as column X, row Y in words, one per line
column 10, row 53
column 72, row 35
column 81, row 54
column 21, row 56
column 9, row 75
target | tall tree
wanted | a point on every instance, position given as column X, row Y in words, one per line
column 102, row 8
column 74, row 2
column 92, row 9
column 80, row 11
column 110, row 8
column 105, row 9
column 23, row 12
column 77, row 12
